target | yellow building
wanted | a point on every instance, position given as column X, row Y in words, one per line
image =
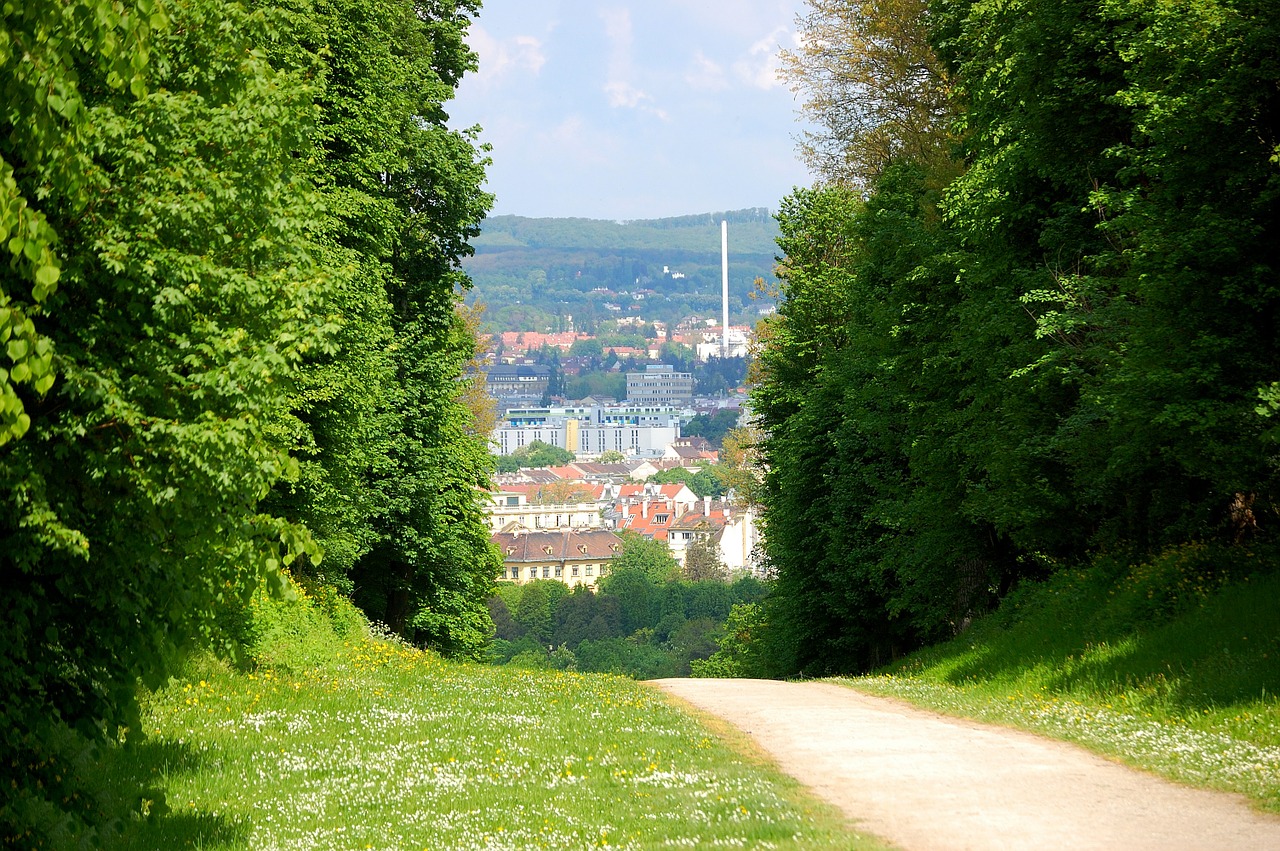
column 572, row 556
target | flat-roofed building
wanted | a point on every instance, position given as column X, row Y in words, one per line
column 517, row 386
column 661, row 385
column 635, row 432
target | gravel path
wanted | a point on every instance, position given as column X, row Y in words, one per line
column 926, row 782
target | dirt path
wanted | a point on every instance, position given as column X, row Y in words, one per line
column 930, row 783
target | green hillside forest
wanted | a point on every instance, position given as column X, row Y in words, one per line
column 533, row 273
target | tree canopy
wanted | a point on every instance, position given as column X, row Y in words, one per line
column 235, row 234
column 537, row 453
column 1031, row 323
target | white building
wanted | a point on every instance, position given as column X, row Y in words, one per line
column 659, row 385
column 590, row 433
column 512, row 508
column 711, row 345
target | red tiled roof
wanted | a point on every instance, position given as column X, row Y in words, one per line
column 652, row 521
column 518, row 341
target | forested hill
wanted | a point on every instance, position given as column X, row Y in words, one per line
column 752, row 231
column 534, row 273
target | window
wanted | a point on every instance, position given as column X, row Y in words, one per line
column 559, row 571
column 546, row 572
column 515, row 573
column 573, row 571
column 533, row 573
column 590, row 567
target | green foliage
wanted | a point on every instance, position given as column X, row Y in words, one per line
column 182, row 308
column 739, row 650
column 988, row 370
column 41, row 46
column 634, row 625
column 537, row 453
column 705, row 482
column 391, row 458
column 612, row 385
column 713, row 377
column 538, row 603
column 717, row 425
column 532, row 271
column 683, row 233
column 247, row 293
column 702, row 563
column 647, row 557
column 625, row 658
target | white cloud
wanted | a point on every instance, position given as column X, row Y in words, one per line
column 706, row 74
column 621, row 92
column 573, row 140
column 499, row 58
column 617, row 26
column 624, row 94
column 759, row 67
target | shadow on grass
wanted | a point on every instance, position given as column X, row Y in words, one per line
column 139, row 772
column 1080, row 635
column 185, row 830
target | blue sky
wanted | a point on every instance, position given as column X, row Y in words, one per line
column 633, row 109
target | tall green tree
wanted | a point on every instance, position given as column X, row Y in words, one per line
column 184, row 303
column 432, row 567
column 988, row 367
column 41, row 47
column 392, row 454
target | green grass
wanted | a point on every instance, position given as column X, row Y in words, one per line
column 371, row 744
column 1171, row 665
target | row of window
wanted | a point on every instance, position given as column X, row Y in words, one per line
column 556, row 572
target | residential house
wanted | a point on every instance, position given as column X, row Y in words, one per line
column 572, row 556
column 691, row 452
column 732, row 531
column 527, row 507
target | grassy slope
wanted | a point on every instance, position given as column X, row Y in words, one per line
column 1172, row 666
column 360, row 742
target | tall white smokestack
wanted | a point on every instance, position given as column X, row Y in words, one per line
column 724, row 288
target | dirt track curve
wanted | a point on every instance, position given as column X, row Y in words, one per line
column 926, row 782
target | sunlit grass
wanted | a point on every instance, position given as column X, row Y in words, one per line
column 1172, row 666
column 386, row 747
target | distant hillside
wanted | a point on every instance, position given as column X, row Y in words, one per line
column 751, row 231
column 534, row 273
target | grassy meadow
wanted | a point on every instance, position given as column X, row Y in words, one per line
column 1172, row 665
column 338, row 739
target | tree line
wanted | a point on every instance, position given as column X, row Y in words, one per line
column 232, row 344
column 649, row 618
column 1030, row 310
